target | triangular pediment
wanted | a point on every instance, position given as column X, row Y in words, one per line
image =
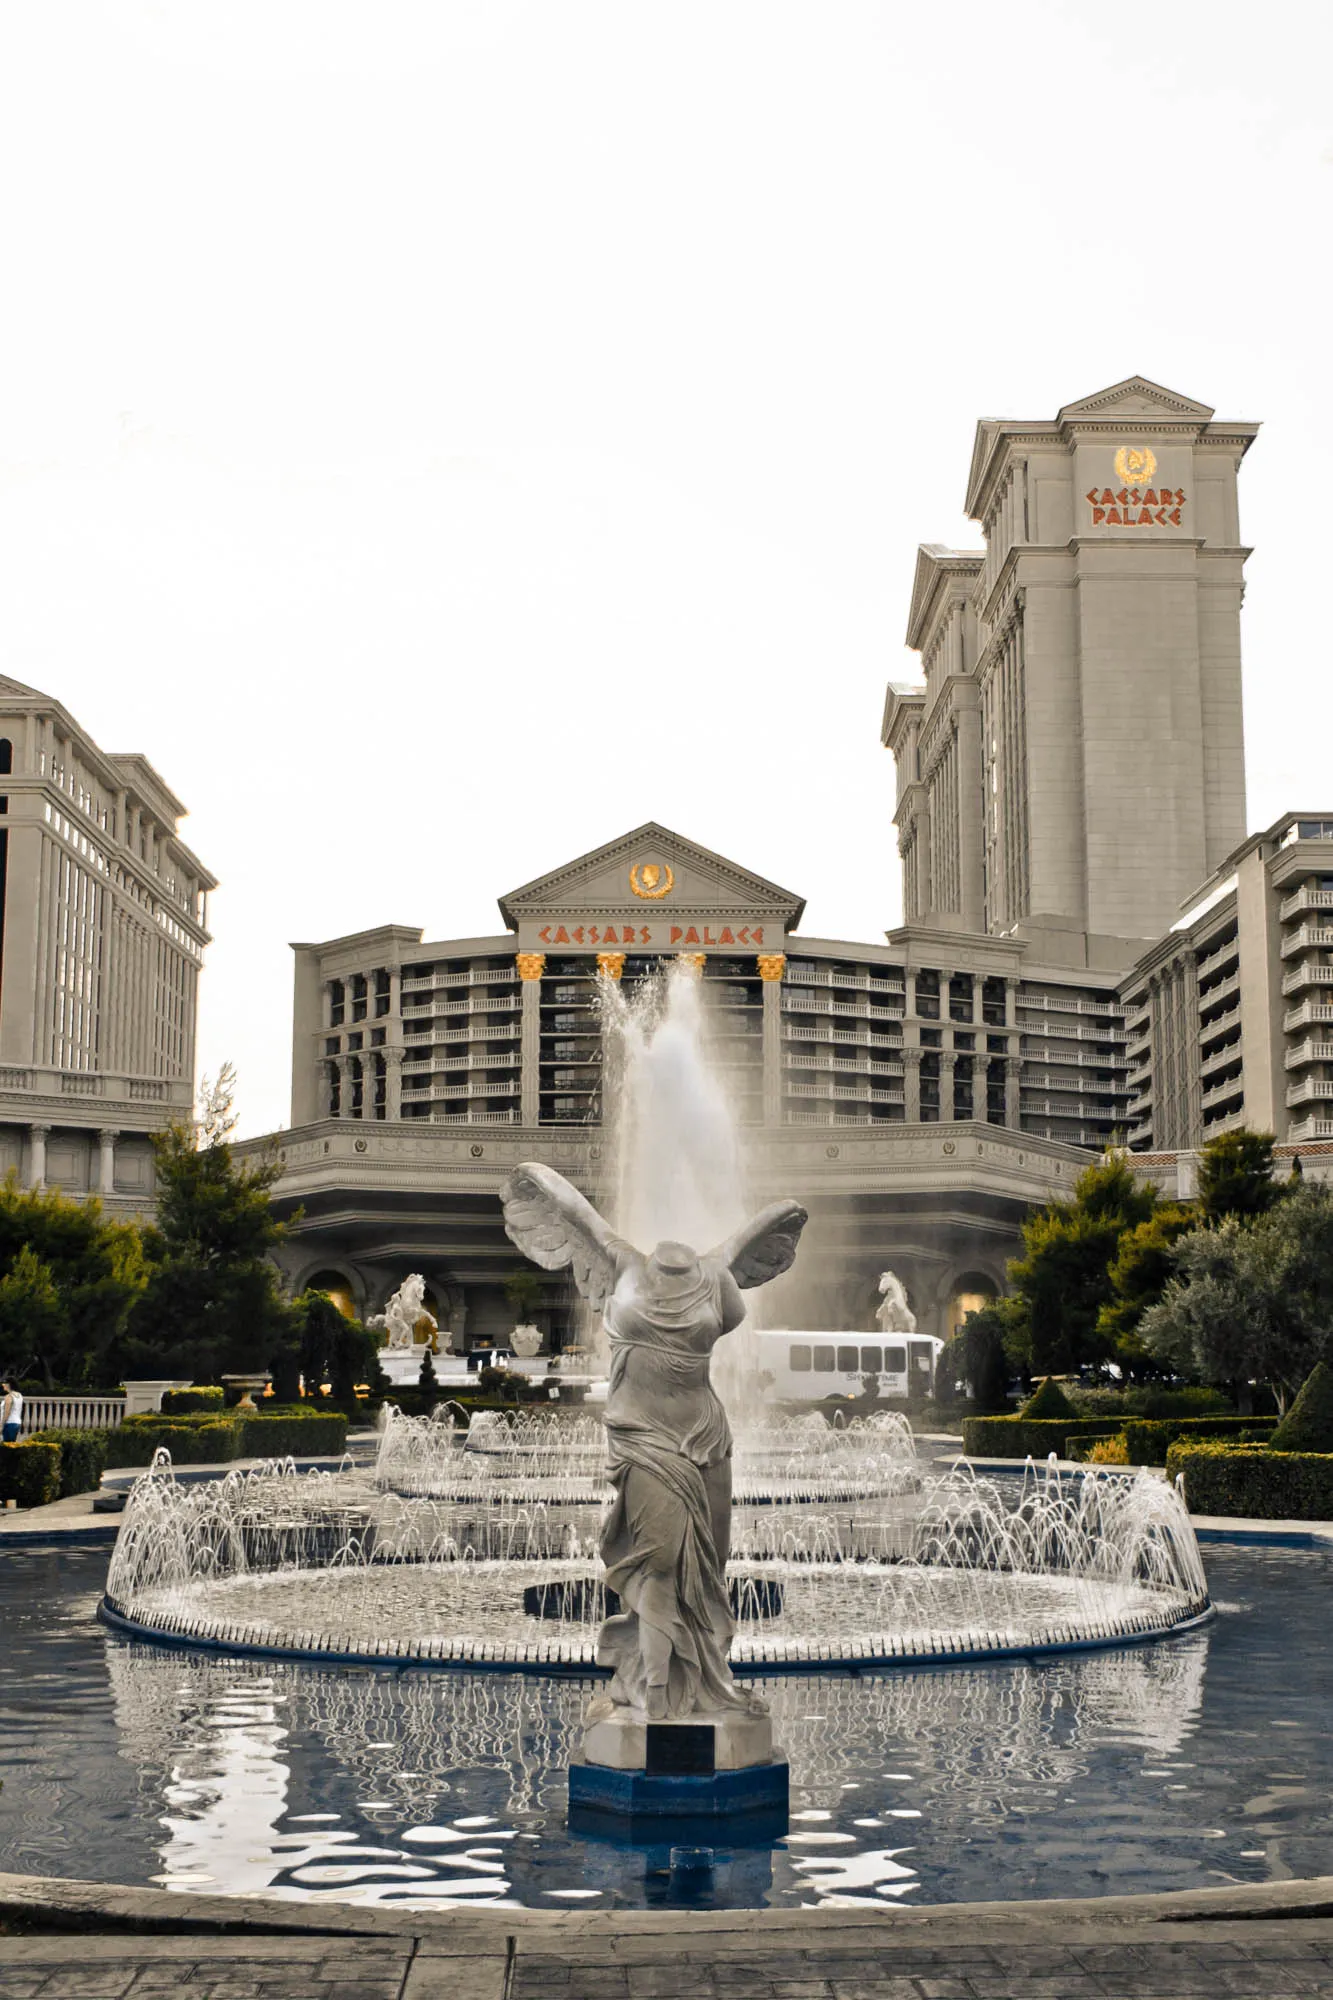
column 651, row 872
column 934, row 563
column 1137, row 397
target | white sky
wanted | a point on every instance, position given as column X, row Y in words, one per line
column 443, row 436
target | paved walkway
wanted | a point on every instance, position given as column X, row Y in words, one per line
column 1275, row 1940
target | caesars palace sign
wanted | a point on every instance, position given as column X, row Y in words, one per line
column 1137, row 503
column 650, row 882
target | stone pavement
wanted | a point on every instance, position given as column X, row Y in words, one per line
column 1274, row 1940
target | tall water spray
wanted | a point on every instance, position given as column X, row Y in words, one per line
column 678, row 1163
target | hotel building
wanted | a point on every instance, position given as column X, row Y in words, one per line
column 102, row 933
column 1092, row 953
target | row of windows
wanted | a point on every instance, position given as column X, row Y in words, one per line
column 803, row 1360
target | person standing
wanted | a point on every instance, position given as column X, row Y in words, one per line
column 11, row 1411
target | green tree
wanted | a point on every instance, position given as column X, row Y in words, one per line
column 1062, row 1280
column 523, row 1293
column 34, row 1320
column 212, row 1302
column 978, row 1354
column 1251, row 1302
column 331, row 1347
column 96, row 1269
column 1140, row 1271
column 1236, row 1176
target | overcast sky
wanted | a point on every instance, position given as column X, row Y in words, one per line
column 443, row 436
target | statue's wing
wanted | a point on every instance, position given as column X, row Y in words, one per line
column 553, row 1225
column 765, row 1247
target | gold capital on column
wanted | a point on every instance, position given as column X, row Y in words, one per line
column 531, row 964
column 695, row 960
column 610, row 964
column 772, row 965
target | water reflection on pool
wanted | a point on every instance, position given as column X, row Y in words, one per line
column 1184, row 1764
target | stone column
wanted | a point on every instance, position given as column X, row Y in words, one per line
column 1013, row 1077
column 912, row 1086
column 1011, row 1003
column 772, row 965
column 393, row 1080
column 106, row 1165
column 37, row 1137
column 395, row 973
column 946, row 1086
column 344, row 1063
column 531, row 965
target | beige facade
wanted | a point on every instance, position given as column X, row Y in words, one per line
column 1073, row 764
column 102, row 933
column 1229, row 1017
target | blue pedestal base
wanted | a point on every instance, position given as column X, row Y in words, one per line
column 757, row 1789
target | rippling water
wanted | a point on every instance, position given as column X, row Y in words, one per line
column 1186, row 1764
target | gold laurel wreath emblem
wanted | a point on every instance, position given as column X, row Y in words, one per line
column 1135, row 465
column 651, row 880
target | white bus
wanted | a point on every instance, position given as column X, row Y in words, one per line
column 828, row 1367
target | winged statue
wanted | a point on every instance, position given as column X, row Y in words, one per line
column 667, row 1536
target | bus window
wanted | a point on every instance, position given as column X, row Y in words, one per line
column 895, row 1360
column 799, row 1360
column 823, row 1357
column 872, row 1359
column 847, row 1361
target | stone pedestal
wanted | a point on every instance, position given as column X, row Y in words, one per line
column 702, row 1767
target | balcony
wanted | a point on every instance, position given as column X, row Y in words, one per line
column 478, row 1118
column 1309, row 937
column 1302, row 900
column 1308, row 973
column 1310, row 1090
column 1309, row 1051
column 1310, row 1014
column 1043, row 1003
column 1224, row 1090
column 1315, row 1126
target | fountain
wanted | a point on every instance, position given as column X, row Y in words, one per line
column 478, row 1548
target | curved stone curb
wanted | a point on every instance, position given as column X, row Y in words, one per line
column 561, row 1658
column 100, row 1906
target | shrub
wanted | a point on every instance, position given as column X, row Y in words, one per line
column 82, row 1458
column 1148, row 1440
column 1250, row 1480
column 1308, row 1424
column 1108, row 1451
column 1048, row 1399
column 30, row 1472
column 297, row 1433
column 202, row 1441
column 1026, row 1437
column 1152, row 1399
column 183, row 1402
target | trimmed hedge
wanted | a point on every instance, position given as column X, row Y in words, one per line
column 1308, row 1424
column 82, row 1457
column 1026, row 1437
column 202, row 1440
column 1252, row 1481
column 185, row 1402
column 1048, row 1399
column 294, row 1434
column 30, row 1472
column 1147, row 1438
column 197, row 1443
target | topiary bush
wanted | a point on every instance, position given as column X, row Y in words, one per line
column 1148, row 1440
column 1048, row 1399
column 186, row 1402
column 1308, row 1424
column 82, row 1457
column 30, row 1472
column 1254, row 1482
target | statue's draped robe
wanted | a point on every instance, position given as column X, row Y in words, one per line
column 664, row 1426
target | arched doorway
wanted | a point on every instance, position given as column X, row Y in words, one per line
column 967, row 1294
column 339, row 1289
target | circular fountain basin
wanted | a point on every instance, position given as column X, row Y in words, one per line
column 473, row 1613
column 849, row 1554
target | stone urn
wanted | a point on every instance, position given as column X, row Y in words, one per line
column 526, row 1341
column 246, row 1384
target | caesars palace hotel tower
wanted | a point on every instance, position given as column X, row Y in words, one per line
column 1073, row 767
